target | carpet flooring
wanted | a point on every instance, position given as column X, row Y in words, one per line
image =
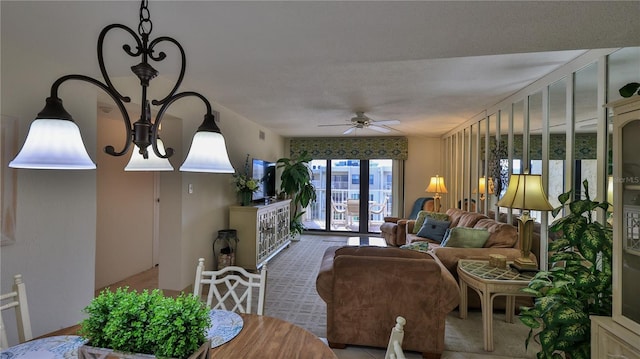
column 291, row 295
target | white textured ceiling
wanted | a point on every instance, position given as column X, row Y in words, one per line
column 292, row 65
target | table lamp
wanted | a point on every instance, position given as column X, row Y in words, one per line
column 485, row 183
column 436, row 186
column 525, row 192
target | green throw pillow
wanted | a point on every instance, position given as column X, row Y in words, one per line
column 424, row 214
column 420, row 246
column 463, row 237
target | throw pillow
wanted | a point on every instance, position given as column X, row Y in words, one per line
column 420, row 246
column 422, row 215
column 463, row 237
column 433, row 229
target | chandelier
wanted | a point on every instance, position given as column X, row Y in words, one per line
column 54, row 140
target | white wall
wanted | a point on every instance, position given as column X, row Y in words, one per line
column 56, row 210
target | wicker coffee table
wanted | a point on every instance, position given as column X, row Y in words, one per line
column 490, row 282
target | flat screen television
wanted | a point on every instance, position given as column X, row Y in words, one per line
column 266, row 172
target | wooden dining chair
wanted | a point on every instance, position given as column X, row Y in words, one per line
column 394, row 349
column 231, row 286
column 16, row 299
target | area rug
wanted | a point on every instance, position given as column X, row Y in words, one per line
column 291, row 296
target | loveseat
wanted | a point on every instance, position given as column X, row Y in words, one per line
column 366, row 288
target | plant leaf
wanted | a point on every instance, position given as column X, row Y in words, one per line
column 629, row 89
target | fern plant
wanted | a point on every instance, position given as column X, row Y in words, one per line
column 577, row 286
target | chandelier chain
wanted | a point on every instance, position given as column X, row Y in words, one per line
column 145, row 26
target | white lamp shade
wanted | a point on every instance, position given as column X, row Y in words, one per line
column 152, row 163
column 208, row 153
column 53, row 144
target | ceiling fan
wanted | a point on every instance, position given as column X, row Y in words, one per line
column 361, row 121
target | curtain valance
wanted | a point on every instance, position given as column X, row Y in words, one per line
column 585, row 146
column 362, row 148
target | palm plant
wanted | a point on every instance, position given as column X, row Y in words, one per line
column 577, row 286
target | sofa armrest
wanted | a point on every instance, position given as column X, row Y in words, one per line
column 392, row 219
column 449, row 256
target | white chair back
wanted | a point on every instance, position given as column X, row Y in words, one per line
column 394, row 349
column 16, row 299
column 232, row 286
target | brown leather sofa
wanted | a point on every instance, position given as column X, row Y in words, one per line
column 366, row 288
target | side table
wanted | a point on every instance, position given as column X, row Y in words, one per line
column 490, row 282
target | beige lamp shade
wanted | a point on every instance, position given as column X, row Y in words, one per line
column 484, row 183
column 525, row 192
column 436, row 185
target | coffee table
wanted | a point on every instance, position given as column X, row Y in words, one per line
column 490, row 282
column 366, row 241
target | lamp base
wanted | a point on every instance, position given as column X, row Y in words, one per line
column 524, row 265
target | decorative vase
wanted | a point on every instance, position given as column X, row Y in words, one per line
column 245, row 198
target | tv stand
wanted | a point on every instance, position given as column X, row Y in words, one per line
column 263, row 231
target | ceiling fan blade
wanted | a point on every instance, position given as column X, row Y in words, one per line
column 387, row 122
column 342, row 124
column 378, row 128
column 349, row 131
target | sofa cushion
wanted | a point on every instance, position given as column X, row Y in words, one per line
column 420, row 246
column 469, row 219
column 503, row 235
column 463, row 237
column 422, row 215
column 433, row 229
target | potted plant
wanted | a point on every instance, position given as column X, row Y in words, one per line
column 145, row 325
column 295, row 182
column 577, row 286
column 245, row 184
column 630, row 89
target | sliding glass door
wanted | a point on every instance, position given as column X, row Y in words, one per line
column 352, row 195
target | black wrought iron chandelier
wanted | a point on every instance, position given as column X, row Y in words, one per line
column 54, row 140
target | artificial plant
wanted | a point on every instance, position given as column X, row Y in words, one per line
column 146, row 323
column 577, row 285
column 295, row 181
column 630, row 89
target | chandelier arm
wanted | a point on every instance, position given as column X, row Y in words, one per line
column 166, row 103
column 161, row 56
column 116, row 98
column 140, row 51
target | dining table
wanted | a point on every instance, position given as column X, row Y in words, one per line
column 267, row 337
column 232, row 335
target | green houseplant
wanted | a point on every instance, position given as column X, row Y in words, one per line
column 577, row 286
column 295, row 182
column 630, row 89
column 145, row 323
